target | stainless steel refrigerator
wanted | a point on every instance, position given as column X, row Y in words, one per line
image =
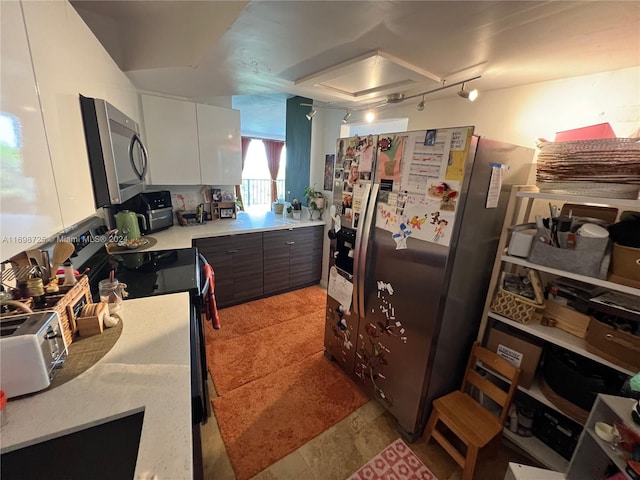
column 416, row 219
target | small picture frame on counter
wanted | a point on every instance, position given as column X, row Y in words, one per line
column 216, row 195
column 227, row 196
column 227, row 213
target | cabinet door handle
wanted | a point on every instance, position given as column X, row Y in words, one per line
column 289, row 243
column 233, row 251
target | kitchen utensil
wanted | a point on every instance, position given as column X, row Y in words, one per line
column 35, row 258
column 61, row 253
column 46, row 266
column 127, row 224
column 22, row 266
column 21, row 260
column 19, row 305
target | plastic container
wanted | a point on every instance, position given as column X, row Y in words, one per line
column 69, row 274
column 111, row 294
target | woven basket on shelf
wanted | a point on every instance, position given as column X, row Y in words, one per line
column 517, row 308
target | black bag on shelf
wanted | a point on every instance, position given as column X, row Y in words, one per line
column 578, row 379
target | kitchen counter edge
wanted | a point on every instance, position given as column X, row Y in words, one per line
column 182, row 237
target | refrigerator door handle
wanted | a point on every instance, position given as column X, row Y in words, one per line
column 364, row 233
column 358, row 285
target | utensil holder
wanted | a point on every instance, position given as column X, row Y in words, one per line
column 587, row 258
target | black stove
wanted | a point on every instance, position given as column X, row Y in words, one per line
column 148, row 274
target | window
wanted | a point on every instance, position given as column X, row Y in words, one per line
column 256, row 180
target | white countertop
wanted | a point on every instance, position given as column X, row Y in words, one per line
column 148, row 368
column 181, row 237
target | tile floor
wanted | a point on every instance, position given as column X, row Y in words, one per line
column 342, row 449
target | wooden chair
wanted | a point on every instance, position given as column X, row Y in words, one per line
column 471, row 422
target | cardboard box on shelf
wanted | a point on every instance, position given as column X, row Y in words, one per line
column 517, row 350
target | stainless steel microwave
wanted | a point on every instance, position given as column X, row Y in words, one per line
column 117, row 156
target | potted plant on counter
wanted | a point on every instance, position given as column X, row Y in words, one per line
column 315, row 200
column 297, row 208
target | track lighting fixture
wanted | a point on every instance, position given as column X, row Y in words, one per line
column 392, row 99
column 471, row 95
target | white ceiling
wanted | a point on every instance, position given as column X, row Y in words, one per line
column 204, row 49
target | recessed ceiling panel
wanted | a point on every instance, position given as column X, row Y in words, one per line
column 368, row 75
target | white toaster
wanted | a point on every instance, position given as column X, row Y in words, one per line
column 31, row 347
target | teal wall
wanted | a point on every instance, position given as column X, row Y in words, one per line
column 298, row 138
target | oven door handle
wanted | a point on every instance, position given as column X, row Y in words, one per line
column 205, row 288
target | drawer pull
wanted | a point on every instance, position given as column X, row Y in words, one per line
column 622, row 342
column 235, row 250
column 289, row 243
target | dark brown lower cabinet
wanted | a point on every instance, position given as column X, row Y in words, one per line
column 254, row 265
column 292, row 258
column 237, row 264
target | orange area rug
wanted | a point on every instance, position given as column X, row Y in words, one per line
column 277, row 389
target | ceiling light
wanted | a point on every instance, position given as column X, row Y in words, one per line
column 311, row 114
column 420, row 106
column 395, row 98
column 346, row 117
column 370, row 116
column 471, row 95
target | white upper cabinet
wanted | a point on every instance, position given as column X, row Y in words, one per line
column 191, row 144
column 172, row 141
column 30, row 211
column 220, row 145
column 69, row 60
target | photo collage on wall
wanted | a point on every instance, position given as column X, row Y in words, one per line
column 354, row 163
column 423, row 185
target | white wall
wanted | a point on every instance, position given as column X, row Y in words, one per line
column 325, row 129
column 521, row 114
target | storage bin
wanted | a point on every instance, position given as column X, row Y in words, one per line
column 586, row 258
column 625, row 262
column 566, row 318
column 618, row 347
column 516, row 307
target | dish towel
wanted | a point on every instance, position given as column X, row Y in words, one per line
column 210, row 307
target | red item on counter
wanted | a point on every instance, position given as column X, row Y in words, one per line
column 3, row 412
column 210, row 307
column 60, row 271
